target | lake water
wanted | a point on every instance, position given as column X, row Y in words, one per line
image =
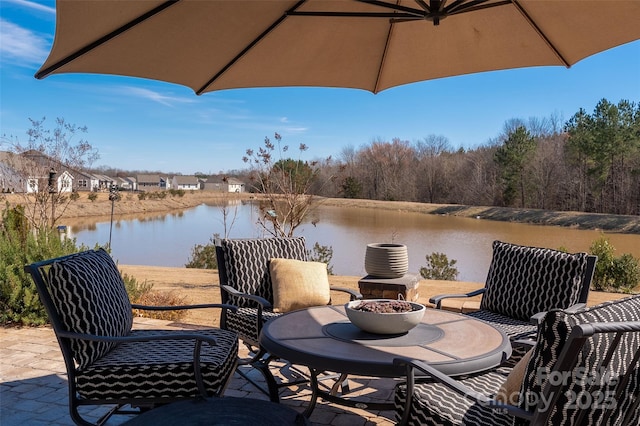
column 167, row 239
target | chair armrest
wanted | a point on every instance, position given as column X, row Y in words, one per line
column 536, row 319
column 147, row 338
column 264, row 303
column 413, row 365
column 183, row 307
column 354, row 295
column 575, row 308
column 437, row 300
column 523, row 342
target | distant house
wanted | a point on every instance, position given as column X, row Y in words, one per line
column 64, row 182
column 213, row 184
column 151, row 182
column 185, row 182
column 85, row 181
column 30, row 172
column 235, row 185
column 10, row 179
column 101, row 183
column 125, row 183
column 222, row 184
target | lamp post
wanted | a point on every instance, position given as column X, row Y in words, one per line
column 113, row 197
column 52, row 191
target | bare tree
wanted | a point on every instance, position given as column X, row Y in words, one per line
column 42, row 168
column 285, row 185
column 431, row 177
column 389, row 168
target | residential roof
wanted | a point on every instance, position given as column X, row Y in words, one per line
column 186, row 180
column 234, row 181
column 149, row 179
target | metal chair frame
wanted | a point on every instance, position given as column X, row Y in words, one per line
column 566, row 363
column 64, row 337
column 587, row 277
column 260, row 358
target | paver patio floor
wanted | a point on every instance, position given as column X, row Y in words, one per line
column 33, row 385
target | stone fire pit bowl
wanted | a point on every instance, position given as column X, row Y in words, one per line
column 384, row 323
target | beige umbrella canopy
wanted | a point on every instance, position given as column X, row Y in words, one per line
column 370, row 45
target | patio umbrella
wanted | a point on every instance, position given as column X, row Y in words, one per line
column 371, row 45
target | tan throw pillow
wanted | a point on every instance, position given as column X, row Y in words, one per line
column 509, row 392
column 298, row 284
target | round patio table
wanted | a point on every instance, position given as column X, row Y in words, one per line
column 323, row 339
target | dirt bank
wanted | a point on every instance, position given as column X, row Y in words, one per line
column 130, row 204
column 605, row 222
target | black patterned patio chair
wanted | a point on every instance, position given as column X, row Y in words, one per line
column 246, row 282
column 107, row 362
column 524, row 282
column 583, row 370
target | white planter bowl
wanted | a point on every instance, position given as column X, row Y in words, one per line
column 386, row 260
column 384, row 323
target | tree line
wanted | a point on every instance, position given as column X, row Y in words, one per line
column 590, row 163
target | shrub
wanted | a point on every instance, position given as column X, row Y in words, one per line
column 159, row 298
column 439, row 268
column 203, row 256
column 142, row 196
column 613, row 273
column 74, row 196
column 134, row 289
column 626, row 272
column 322, row 254
column 19, row 246
column 177, row 192
column 92, row 196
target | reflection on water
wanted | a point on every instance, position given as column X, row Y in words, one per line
column 167, row 239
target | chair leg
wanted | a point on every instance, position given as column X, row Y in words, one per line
column 260, row 360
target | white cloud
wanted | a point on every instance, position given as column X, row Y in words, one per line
column 295, row 130
column 21, row 45
column 284, row 120
column 155, row 96
column 33, row 5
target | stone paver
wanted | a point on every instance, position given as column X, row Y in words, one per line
column 33, row 385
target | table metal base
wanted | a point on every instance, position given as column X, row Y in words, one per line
column 332, row 396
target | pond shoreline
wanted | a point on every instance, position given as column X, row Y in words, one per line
column 130, row 204
column 626, row 224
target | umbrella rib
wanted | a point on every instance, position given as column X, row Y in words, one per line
column 249, row 47
column 395, row 7
column 472, row 8
column 89, row 47
column 384, row 58
column 542, row 35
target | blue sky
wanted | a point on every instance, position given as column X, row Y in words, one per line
column 148, row 125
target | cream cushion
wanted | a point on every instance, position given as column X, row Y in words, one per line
column 298, row 284
column 509, row 392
